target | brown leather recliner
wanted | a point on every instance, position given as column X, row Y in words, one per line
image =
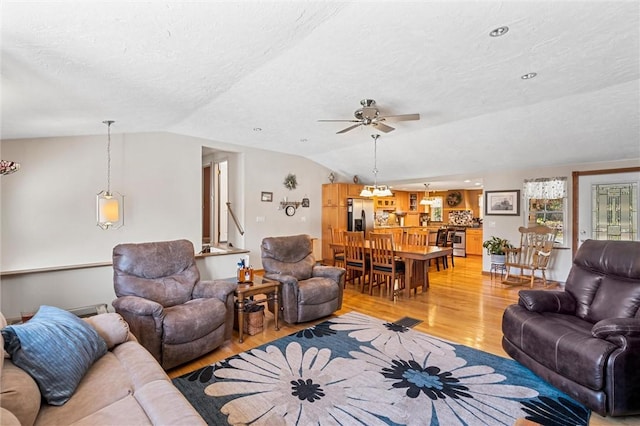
column 308, row 291
column 173, row 314
column 585, row 340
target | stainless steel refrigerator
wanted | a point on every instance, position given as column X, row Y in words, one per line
column 360, row 215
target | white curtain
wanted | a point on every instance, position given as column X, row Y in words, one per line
column 546, row 188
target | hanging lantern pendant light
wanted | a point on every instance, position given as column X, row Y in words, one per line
column 109, row 205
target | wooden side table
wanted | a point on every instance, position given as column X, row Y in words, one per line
column 260, row 285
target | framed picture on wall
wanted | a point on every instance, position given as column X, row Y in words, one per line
column 502, row 202
column 266, row 196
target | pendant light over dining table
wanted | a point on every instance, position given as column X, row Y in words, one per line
column 109, row 204
column 375, row 190
column 426, row 200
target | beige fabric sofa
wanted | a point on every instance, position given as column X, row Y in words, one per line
column 126, row 386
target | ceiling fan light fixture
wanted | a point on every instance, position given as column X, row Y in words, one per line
column 369, row 115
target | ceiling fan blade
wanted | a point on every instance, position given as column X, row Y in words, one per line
column 346, row 121
column 403, row 117
column 382, row 127
column 349, row 128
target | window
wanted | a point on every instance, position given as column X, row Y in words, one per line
column 436, row 209
column 546, row 204
column 613, row 214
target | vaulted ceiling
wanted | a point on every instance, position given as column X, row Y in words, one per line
column 262, row 74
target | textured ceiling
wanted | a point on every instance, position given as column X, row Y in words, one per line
column 217, row 70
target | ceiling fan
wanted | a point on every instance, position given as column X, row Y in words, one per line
column 369, row 115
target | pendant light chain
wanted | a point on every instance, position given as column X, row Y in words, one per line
column 375, row 160
column 375, row 190
column 108, row 123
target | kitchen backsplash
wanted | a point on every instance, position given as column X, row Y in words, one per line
column 461, row 217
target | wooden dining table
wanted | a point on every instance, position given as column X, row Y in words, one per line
column 416, row 259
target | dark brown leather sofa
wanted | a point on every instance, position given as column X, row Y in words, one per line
column 308, row 291
column 173, row 314
column 585, row 340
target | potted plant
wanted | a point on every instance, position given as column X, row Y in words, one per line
column 495, row 247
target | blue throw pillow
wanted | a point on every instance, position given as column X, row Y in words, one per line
column 56, row 348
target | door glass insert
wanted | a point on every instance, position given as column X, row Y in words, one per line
column 614, row 215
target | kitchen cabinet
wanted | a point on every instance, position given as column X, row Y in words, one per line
column 412, row 219
column 384, row 203
column 334, row 212
column 354, row 190
column 402, row 201
column 474, row 241
column 330, row 194
column 335, row 194
column 413, row 202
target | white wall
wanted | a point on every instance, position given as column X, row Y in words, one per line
column 507, row 226
column 48, row 207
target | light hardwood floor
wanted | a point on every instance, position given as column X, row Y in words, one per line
column 461, row 305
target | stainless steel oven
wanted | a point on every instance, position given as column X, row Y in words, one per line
column 459, row 242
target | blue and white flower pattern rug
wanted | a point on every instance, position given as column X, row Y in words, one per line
column 358, row 370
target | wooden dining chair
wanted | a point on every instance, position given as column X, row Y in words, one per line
column 385, row 268
column 337, row 237
column 443, row 240
column 416, row 237
column 398, row 233
column 355, row 258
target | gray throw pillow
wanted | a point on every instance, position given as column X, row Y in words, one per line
column 56, row 348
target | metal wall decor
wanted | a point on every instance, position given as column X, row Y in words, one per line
column 8, row 167
column 454, row 198
column 290, row 181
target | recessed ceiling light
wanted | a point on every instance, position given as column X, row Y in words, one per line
column 477, row 183
column 467, row 181
column 528, row 76
column 257, row 129
column 500, row 31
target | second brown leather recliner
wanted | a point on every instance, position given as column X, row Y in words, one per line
column 308, row 291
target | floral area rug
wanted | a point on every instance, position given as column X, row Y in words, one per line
column 358, row 370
